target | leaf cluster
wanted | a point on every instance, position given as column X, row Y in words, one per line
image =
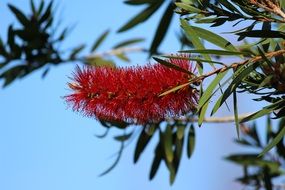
column 260, row 171
column 31, row 46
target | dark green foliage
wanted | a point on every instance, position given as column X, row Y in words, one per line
column 32, row 45
column 260, row 71
column 260, row 171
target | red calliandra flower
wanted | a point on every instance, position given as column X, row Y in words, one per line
column 132, row 94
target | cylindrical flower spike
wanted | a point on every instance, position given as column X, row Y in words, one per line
column 132, row 94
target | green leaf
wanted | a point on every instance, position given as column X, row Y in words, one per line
column 207, row 94
column 268, row 129
column 99, row 41
column 156, row 161
column 173, row 66
column 180, row 131
column 193, row 37
column 266, row 110
column 142, row 142
column 253, row 160
column 178, row 152
column 141, row 17
column 192, row 59
column 266, row 81
column 214, row 51
column 116, row 161
column 167, row 143
column 174, row 89
column 104, row 134
column 32, row 4
column 47, row 13
column 20, row 16
column 123, row 57
column 172, row 172
column 162, row 28
column 123, row 137
column 214, row 38
column 44, row 74
column 41, row 6
column 236, row 112
column 238, row 76
column 229, row 6
column 262, row 34
column 128, row 42
column 187, row 7
column 13, row 73
column 99, row 62
column 139, row 2
column 191, row 141
column 76, row 51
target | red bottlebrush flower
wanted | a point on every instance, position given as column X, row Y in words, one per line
column 132, row 94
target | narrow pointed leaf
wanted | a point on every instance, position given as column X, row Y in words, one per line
column 116, row 161
column 214, row 52
column 156, row 161
column 167, row 143
column 47, row 13
column 190, row 141
column 141, row 17
column 236, row 112
column 173, row 66
column 193, row 37
column 276, row 140
column 207, row 94
column 239, row 75
column 142, row 142
column 214, row 38
column 128, row 42
column 20, row 16
column 187, row 7
column 162, row 28
column 100, row 40
column 123, row 137
column 266, row 110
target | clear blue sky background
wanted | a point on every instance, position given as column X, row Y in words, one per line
column 45, row 146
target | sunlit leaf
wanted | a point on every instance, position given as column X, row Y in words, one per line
column 207, row 94
column 190, row 141
column 214, row 38
column 193, row 37
column 167, row 143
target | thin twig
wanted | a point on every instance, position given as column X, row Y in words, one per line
column 117, row 51
column 235, row 65
column 270, row 6
column 225, row 119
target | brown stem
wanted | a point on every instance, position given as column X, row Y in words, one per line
column 235, row 65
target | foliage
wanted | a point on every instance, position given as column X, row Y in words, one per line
column 260, row 171
column 260, row 71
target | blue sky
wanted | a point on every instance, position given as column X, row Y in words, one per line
column 44, row 145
